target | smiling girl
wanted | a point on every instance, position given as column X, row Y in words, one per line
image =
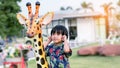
column 59, row 50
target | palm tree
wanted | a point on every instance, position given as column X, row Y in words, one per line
column 107, row 8
column 62, row 8
column 118, row 14
column 86, row 6
column 69, row 8
column 118, row 3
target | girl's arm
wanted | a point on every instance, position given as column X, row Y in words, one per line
column 66, row 45
column 67, row 49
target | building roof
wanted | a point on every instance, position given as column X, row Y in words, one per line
column 74, row 14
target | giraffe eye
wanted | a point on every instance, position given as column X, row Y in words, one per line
column 25, row 26
column 37, row 21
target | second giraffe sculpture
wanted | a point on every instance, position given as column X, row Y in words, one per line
column 34, row 31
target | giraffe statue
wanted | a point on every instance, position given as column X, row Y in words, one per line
column 34, row 31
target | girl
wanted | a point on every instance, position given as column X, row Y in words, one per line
column 59, row 50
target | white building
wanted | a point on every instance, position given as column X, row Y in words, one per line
column 82, row 27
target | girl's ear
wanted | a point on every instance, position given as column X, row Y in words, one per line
column 21, row 19
column 47, row 18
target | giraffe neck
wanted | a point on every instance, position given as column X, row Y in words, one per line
column 39, row 52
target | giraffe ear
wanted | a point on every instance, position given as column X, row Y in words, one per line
column 21, row 19
column 47, row 18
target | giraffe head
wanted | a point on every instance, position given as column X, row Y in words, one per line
column 34, row 22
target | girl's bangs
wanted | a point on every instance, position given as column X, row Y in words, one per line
column 57, row 31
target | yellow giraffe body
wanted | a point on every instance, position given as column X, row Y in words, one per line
column 34, row 31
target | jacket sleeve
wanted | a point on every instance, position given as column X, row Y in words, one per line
column 68, row 54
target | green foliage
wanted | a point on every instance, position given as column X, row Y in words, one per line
column 118, row 16
column 86, row 5
column 9, row 25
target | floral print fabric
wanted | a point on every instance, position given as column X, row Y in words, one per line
column 58, row 58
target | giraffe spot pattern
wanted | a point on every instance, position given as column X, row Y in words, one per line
column 35, row 40
column 37, row 58
column 35, row 51
column 42, row 61
column 39, row 43
column 25, row 19
column 39, row 35
column 36, row 45
column 39, row 66
column 40, row 51
column 40, row 26
column 37, row 28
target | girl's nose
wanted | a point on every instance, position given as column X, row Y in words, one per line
column 55, row 36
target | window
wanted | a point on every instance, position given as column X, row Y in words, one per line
column 72, row 32
column 72, row 29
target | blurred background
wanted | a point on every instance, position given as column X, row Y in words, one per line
column 89, row 22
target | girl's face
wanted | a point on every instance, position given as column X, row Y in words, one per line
column 56, row 38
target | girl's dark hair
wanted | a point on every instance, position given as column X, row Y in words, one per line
column 59, row 29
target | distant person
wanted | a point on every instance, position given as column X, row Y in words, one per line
column 59, row 50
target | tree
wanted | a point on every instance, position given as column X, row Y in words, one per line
column 67, row 8
column 62, row 8
column 107, row 7
column 86, row 6
column 118, row 14
column 118, row 3
column 9, row 25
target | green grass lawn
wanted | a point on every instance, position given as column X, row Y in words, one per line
column 88, row 61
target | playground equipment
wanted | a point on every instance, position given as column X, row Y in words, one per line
column 16, row 62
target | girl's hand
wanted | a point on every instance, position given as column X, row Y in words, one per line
column 49, row 39
column 66, row 44
column 64, row 38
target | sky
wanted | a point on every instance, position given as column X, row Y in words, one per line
column 54, row 5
